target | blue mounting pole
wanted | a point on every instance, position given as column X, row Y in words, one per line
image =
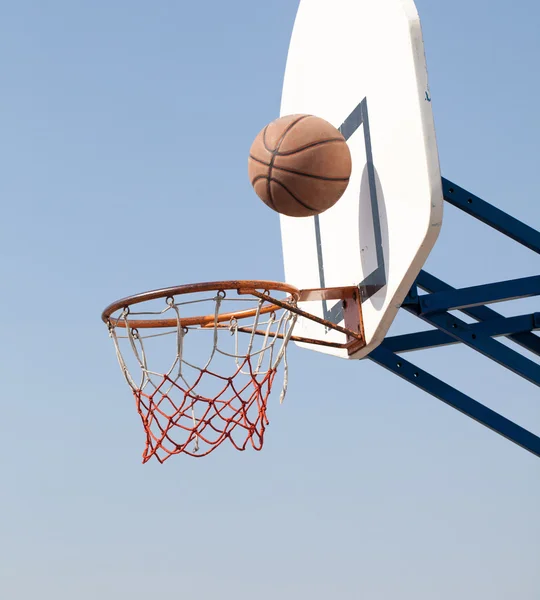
column 434, row 306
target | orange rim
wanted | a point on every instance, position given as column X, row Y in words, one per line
column 241, row 286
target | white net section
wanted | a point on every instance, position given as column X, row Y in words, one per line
column 218, row 383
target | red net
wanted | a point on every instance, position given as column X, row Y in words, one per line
column 197, row 425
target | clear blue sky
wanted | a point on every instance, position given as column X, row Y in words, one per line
column 125, row 128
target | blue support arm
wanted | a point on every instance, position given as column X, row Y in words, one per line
column 490, row 215
column 526, row 340
column 466, row 405
column 463, row 332
column 502, row 326
column 480, row 295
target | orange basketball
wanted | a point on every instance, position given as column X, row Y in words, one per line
column 299, row 165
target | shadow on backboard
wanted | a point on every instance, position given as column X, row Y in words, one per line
column 373, row 234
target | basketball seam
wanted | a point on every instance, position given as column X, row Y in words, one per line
column 258, row 178
column 292, row 195
column 280, row 141
column 258, row 160
column 261, row 162
column 268, row 186
column 268, row 189
column 309, row 146
column 273, row 152
column 298, row 150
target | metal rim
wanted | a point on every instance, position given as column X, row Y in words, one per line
column 241, row 286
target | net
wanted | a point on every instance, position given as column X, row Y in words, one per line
column 224, row 366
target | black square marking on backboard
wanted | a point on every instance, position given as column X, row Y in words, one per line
column 377, row 279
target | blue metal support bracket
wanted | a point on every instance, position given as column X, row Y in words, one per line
column 456, row 399
column 526, row 340
column 493, row 349
column 502, row 326
column 480, row 295
column 490, row 215
column 434, row 306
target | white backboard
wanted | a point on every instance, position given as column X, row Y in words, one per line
column 360, row 65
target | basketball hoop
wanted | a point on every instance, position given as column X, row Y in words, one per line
column 196, row 403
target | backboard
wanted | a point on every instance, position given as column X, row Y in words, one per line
column 360, row 65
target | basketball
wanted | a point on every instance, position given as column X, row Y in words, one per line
column 299, row 165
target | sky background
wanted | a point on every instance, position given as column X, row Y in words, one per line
column 126, row 127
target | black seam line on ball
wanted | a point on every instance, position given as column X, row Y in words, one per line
column 261, row 162
column 298, row 150
column 309, row 146
column 274, row 152
column 293, row 196
column 258, row 160
column 337, row 179
column 268, row 189
column 280, row 141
